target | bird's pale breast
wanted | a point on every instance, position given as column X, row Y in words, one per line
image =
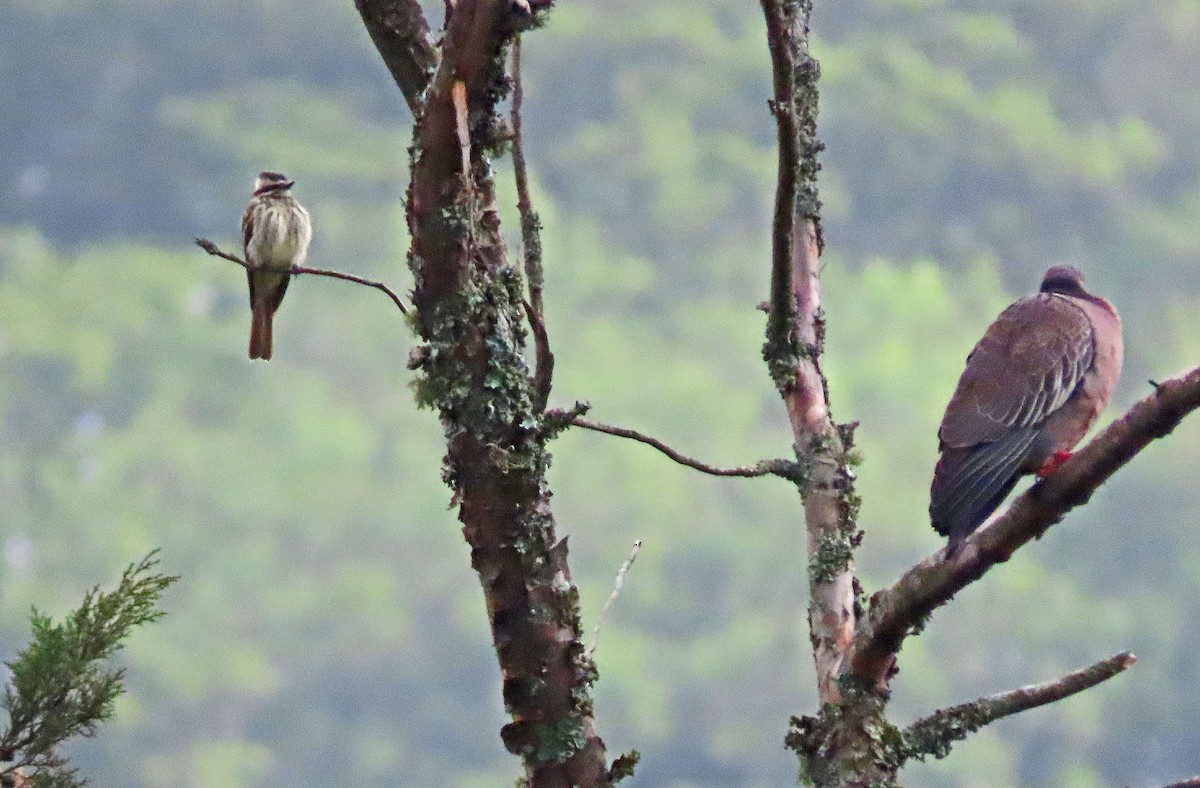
column 281, row 235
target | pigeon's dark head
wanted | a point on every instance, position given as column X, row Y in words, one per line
column 1064, row 280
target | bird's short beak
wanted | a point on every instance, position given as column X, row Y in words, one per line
column 289, row 184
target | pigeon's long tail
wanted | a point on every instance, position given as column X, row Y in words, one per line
column 970, row 483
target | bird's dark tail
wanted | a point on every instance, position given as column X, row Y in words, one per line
column 260, row 333
column 970, row 483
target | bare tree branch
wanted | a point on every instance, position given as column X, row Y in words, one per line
column 401, row 35
column 531, row 242
column 793, row 348
column 786, row 469
column 897, row 610
column 297, row 270
column 934, row 735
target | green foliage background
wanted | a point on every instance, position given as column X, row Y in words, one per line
column 328, row 629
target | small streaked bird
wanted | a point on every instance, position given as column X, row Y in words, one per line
column 1032, row 388
column 276, row 231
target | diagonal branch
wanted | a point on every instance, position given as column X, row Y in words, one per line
column 933, row 735
column 212, row 249
column 786, row 469
column 401, row 35
column 899, row 609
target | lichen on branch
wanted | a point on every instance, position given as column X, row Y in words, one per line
column 934, row 735
column 473, row 370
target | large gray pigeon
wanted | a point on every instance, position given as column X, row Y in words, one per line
column 1032, row 388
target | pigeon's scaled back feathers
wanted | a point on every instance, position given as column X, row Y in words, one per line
column 1032, row 387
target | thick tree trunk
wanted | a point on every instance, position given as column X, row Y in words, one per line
column 468, row 298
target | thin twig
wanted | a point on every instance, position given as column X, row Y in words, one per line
column 612, row 598
column 212, row 249
column 531, row 240
column 782, row 468
column 902, row 607
column 933, row 735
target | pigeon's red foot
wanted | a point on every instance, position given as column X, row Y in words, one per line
column 1053, row 463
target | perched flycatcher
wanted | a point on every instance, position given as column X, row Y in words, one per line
column 276, row 231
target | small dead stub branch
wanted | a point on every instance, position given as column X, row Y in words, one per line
column 531, row 242
column 935, row 734
column 401, row 34
column 786, row 469
column 298, row 270
column 899, row 609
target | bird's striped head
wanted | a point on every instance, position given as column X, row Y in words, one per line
column 271, row 182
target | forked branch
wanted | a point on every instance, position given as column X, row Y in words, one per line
column 212, row 249
column 897, row 610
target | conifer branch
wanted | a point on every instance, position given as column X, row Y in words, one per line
column 61, row 685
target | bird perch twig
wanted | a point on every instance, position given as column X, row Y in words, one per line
column 897, row 610
column 212, row 249
column 785, row 469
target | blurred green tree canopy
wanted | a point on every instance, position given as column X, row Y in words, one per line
column 328, row 628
